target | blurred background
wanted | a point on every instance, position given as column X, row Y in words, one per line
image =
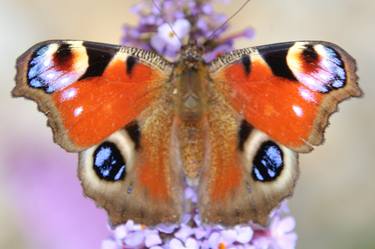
column 41, row 203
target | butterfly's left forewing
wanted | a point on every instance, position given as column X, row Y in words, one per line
column 89, row 90
column 267, row 104
column 111, row 104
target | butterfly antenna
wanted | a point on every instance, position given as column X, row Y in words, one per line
column 230, row 18
column 170, row 25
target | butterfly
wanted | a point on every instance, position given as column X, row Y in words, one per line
column 146, row 128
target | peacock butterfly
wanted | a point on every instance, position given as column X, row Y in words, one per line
column 144, row 127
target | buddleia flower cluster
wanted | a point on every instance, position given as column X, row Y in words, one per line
column 164, row 26
column 191, row 233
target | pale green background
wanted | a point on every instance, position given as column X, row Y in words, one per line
column 334, row 201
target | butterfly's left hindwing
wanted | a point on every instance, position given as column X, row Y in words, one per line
column 111, row 104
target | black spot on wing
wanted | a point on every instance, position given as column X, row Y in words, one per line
column 99, row 56
column 246, row 62
column 130, row 63
column 62, row 58
column 243, row 134
column 309, row 54
column 134, row 133
column 275, row 56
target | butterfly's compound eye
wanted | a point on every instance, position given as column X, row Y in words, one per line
column 268, row 162
column 108, row 162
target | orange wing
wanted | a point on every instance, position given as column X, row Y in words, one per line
column 287, row 90
column 266, row 104
column 89, row 90
column 112, row 104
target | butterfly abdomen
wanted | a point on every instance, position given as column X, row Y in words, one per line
column 190, row 117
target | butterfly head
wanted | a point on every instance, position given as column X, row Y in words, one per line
column 192, row 54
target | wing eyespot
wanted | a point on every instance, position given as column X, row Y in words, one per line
column 268, row 162
column 317, row 66
column 108, row 162
column 54, row 66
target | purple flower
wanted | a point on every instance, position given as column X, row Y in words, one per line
column 280, row 234
column 191, row 233
column 168, row 39
column 219, row 50
column 190, row 20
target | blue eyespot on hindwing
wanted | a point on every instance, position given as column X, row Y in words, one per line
column 268, row 162
column 108, row 162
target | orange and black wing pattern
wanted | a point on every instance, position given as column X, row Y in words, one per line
column 89, row 90
column 111, row 104
column 287, row 90
column 267, row 104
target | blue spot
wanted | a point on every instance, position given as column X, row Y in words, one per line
column 257, row 174
column 109, row 163
column 34, row 69
column 42, row 50
column 338, row 83
column 37, row 83
column 337, row 68
column 103, row 155
column 268, row 162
